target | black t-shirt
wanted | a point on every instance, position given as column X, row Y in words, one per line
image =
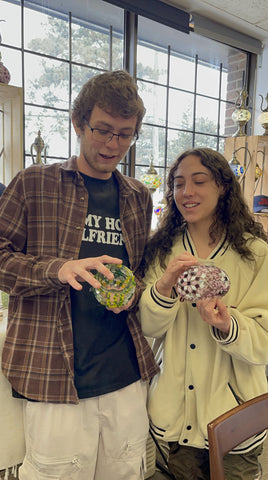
column 104, row 353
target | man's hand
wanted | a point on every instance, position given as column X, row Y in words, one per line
column 75, row 271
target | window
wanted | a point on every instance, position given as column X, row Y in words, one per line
column 60, row 52
column 189, row 83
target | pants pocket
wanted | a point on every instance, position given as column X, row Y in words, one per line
column 134, row 448
column 37, row 467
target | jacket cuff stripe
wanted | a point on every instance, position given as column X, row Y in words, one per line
column 160, row 300
column 232, row 335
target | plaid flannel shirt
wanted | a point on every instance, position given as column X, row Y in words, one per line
column 42, row 217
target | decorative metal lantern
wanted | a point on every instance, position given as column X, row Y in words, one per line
column 241, row 115
column 235, row 165
column 38, row 145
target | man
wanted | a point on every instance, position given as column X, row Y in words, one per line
column 81, row 368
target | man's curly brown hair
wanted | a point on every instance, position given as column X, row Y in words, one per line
column 115, row 92
column 232, row 213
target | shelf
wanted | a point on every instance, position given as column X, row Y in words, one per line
column 11, row 131
column 258, row 148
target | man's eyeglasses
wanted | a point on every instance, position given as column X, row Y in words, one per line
column 105, row 136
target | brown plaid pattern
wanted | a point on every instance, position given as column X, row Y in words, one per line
column 42, row 217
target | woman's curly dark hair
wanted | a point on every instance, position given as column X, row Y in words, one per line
column 232, row 213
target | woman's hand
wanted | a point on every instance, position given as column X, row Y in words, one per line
column 75, row 271
column 175, row 268
column 214, row 312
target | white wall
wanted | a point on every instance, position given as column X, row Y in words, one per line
column 261, row 88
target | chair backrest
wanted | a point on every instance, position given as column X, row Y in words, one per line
column 234, row 427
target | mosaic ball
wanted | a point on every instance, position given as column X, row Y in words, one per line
column 202, row 281
column 117, row 292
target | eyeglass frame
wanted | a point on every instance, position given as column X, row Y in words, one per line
column 133, row 140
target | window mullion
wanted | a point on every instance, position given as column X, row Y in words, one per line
column 130, row 64
column 195, row 93
column 70, row 81
column 167, row 113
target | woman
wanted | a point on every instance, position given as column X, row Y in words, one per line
column 212, row 353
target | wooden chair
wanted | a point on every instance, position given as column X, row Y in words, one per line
column 234, row 427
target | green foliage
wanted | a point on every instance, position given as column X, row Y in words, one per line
column 90, row 53
column 50, row 87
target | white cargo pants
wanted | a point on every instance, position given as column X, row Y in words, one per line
column 101, row 438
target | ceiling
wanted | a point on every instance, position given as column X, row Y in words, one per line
column 246, row 16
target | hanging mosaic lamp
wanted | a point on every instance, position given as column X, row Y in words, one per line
column 236, row 166
column 151, row 179
column 258, row 172
column 241, row 115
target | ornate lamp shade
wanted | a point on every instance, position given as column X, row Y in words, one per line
column 263, row 120
column 4, row 72
column 159, row 207
column 158, row 210
column 237, row 168
column 258, row 172
column 263, row 117
column 151, row 179
column 241, row 116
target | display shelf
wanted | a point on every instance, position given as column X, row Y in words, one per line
column 11, row 131
column 257, row 145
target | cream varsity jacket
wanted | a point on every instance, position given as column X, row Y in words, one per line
column 202, row 374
